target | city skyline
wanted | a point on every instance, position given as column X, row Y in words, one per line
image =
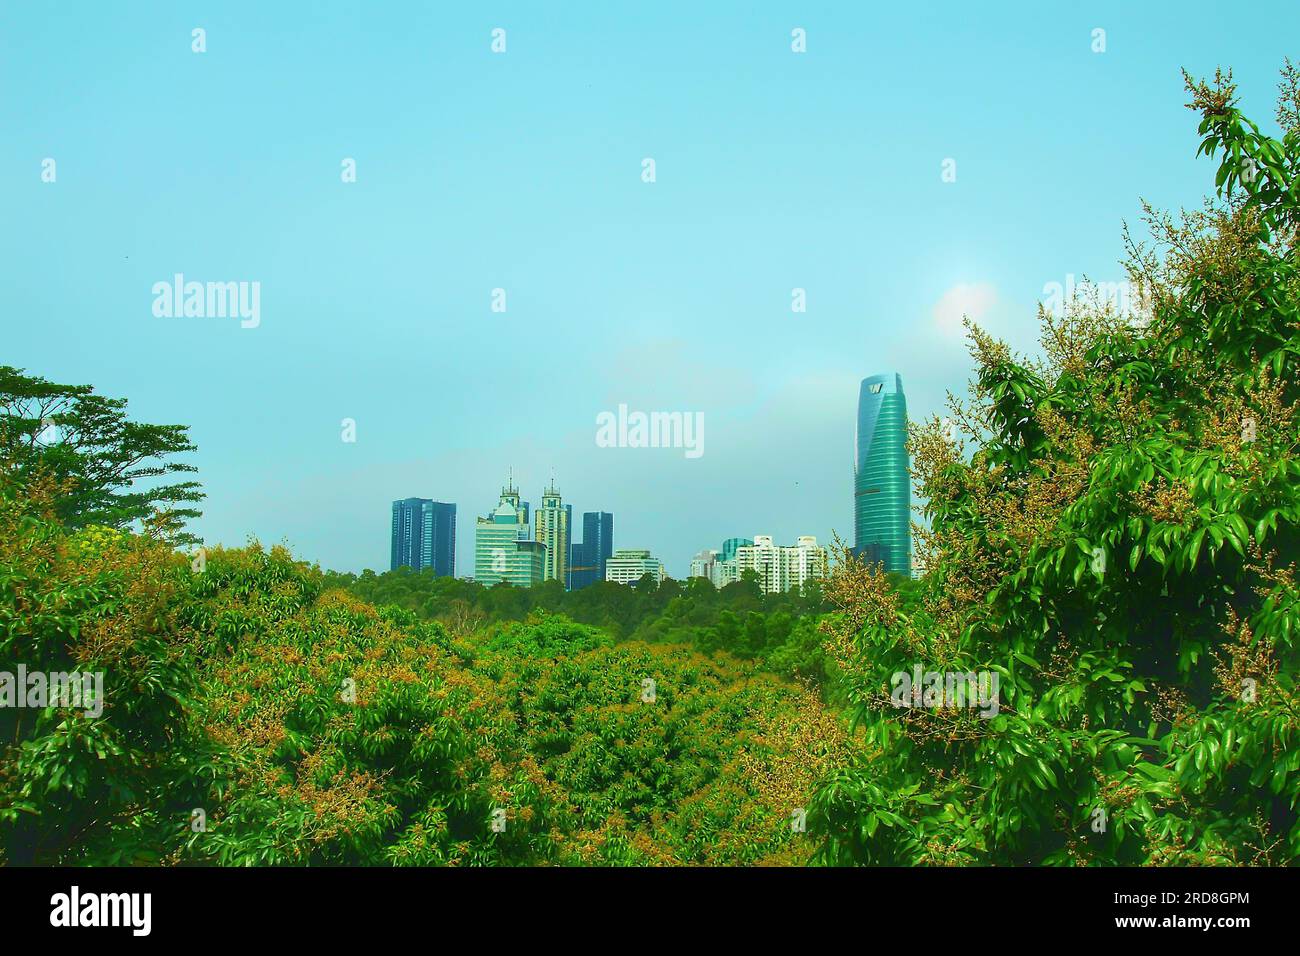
column 518, row 544
column 784, row 181
column 882, row 512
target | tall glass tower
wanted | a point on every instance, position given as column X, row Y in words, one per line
column 732, row 545
column 590, row 555
column 882, row 484
column 424, row 535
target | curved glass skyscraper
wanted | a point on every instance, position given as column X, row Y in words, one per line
column 882, row 484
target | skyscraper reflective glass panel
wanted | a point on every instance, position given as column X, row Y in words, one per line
column 882, row 487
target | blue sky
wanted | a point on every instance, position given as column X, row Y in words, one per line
column 522, row 171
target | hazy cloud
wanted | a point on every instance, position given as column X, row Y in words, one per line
column 971, row 300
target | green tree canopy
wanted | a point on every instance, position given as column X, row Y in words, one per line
column 104, row 465
column 1115, row 538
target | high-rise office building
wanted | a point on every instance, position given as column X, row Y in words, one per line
column 731, row 545
column 424, row 536
column 502, row 549
column 510, row 495
column 578, row 566
column 553, row 532
column 568, row 511
column 629, row 565
column 882, row 485
column 589, row 557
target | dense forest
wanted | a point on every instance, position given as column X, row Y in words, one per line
column 778, row 631
column 1111, row 539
